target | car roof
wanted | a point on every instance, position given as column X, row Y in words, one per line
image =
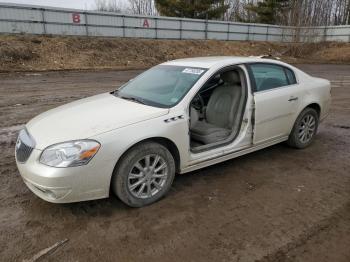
column 211, row 61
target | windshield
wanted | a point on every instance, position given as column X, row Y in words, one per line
column 161, row 86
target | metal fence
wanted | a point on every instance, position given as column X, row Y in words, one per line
column 25, row 19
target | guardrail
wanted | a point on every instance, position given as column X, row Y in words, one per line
column 26, row 19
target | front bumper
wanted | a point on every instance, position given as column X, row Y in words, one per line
column 66, row 185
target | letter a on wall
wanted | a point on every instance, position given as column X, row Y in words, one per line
column 145, row 23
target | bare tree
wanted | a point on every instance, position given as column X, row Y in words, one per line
column 143, row 7
column 298, row 13
column 115, row 6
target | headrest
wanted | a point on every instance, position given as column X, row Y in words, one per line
column 231, row 77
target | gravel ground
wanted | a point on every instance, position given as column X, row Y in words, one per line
column 277, row 204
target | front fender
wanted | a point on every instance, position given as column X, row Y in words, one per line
column 116, row 142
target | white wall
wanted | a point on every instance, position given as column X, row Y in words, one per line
column 19, row 19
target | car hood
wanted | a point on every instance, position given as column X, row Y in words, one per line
column 88, row 117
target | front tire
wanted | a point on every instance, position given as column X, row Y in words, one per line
column 304, row 129
column 144, row 174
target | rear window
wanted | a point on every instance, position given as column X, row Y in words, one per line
column 291, row 76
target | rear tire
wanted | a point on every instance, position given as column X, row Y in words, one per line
column 304, row 129
column 144, row 175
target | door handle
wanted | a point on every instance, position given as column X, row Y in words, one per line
column 293, row 99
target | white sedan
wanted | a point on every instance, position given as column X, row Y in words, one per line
column 176, row 117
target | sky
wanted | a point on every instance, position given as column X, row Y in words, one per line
column 76, row 4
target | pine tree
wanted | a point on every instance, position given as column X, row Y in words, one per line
column 201, row 9
column 268, row 11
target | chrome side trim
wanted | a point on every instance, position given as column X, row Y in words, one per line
column 232, row 155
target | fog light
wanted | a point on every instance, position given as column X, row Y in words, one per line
column 52, row 194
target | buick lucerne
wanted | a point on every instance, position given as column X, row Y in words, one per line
column 176, row 117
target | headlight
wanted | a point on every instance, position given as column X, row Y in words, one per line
column 69, row 154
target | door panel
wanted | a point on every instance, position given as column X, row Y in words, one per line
column 275, row 111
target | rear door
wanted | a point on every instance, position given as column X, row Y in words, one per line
column 276, row 98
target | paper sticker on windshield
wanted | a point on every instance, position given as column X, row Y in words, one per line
column 195, row 71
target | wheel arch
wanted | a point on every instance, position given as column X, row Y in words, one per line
column 291, row 139
column 315, row 106
column 166, row 142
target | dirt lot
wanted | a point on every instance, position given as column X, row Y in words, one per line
column 278, row 204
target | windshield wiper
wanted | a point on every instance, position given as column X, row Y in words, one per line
column 134, row 99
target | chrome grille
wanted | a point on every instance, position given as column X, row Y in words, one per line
column 24, row 146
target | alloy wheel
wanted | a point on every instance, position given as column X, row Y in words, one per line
column 307, row 128
column 147, row 176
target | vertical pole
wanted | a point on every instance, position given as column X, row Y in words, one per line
column 43, row 20
column 86, row 24
column 181, row 29
column 297, row 32
column 325, row 34
column 267, row 33
column 248, row 36
column 123, row 25
column 228, row 31
column 156, row 27
column 206, row 26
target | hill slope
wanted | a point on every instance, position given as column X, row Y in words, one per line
column 41, row 53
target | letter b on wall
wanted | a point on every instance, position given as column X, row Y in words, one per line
column 76, row 18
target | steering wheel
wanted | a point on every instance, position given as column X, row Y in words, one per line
column 198, row 103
